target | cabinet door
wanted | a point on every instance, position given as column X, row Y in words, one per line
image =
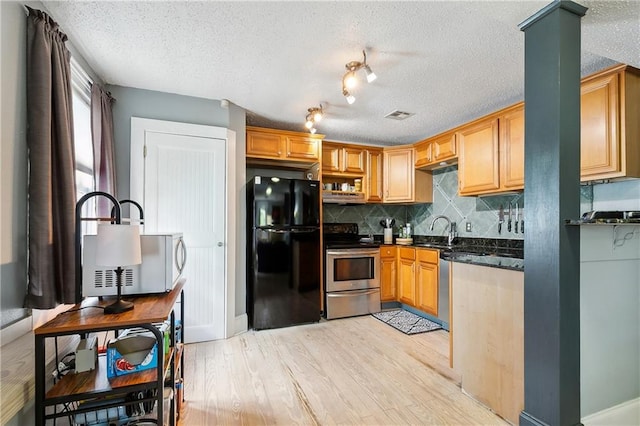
column 599, row 138
column 374, row 175
column 354, row 160
column 443, row 148
column 478, row 161
column 264, row 145
column 407, row 276
column 398, row 175
column 388, row 273
column 512, row 149
column 301, row 148
column 423, row 153
column 427, row 281
column 331, row 158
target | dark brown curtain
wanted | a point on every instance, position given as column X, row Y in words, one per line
column 103, row 148
column 52, row 189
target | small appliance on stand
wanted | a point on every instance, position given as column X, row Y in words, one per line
column 118, row 246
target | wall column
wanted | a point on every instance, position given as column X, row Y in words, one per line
column 552, row 194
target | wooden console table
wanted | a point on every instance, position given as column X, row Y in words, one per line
column 88, row 317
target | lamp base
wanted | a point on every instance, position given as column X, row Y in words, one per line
column 118, row 307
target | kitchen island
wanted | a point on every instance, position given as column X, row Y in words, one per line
column 487, row 332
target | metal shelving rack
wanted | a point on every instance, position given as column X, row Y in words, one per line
column 87, row 317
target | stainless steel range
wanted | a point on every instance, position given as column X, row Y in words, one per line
column 352, row 272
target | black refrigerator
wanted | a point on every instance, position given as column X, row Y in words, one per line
column 283, row 252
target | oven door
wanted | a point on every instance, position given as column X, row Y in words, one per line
column 352, row 269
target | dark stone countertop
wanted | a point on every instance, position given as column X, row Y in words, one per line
column 492, row 252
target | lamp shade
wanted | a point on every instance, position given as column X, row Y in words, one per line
column 118, row 245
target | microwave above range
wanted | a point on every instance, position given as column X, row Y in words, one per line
column 163, row 259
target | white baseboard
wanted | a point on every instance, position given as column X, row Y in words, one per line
column 241, row 324
column 19, row 329
column 625, row 414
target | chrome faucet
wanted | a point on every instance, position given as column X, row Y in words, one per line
column 452, row 228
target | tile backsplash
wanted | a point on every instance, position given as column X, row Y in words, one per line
column 481, row 212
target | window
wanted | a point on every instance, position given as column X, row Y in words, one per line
column 81, row 99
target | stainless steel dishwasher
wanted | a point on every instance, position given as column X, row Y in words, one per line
column 443, row 292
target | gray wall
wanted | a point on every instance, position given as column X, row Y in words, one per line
column 13, row 166
column 237, row 122
column 610, row 303
column 131, row 102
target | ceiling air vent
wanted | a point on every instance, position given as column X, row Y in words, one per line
column 398, row 115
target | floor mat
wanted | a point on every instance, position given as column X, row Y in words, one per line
column 406, row 321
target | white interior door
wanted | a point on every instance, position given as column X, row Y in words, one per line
column 184, row 191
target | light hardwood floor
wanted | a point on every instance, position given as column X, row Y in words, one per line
column 356, row 371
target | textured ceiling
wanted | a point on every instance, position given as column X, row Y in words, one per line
column 446, row 61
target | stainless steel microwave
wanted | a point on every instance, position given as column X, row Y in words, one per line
column 163, row 260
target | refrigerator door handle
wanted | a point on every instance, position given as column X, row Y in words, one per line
column 276, row 231
column 293, row 231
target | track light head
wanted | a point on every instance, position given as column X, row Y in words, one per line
column 348, row 96
column 349, row 79
column 370, row 74
column 313, row 116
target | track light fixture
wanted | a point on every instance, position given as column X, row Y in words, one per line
column 314, row 115
column 350, row 79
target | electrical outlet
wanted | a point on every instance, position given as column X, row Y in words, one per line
column 468, row 227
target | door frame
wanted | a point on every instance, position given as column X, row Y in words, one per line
column 139, row 126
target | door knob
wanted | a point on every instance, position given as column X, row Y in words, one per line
column 219, row 243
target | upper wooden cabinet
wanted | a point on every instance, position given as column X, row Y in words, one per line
column 272, row 144
column 511, row 124
column 374, row 175
column 491, row 153
column 610, row 124
column 436, row 152
column 402, row 182
column 343, row 158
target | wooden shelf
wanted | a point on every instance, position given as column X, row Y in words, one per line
column 84, row 317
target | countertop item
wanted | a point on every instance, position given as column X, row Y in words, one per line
column 404, row 241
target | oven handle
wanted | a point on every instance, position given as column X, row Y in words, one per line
column 352, row 293
column 353, row 252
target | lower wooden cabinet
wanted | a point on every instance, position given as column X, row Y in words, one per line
column 427, row 281
column 407, row 275
column 388, row 273
column 418, row 278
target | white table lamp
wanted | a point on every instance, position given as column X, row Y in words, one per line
column 118, row 246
